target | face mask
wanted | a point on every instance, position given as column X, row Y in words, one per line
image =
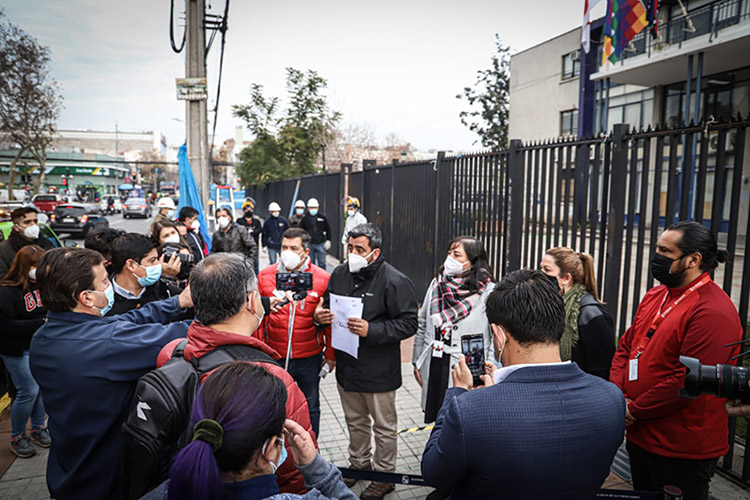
column 350, row 213
column 31, row 232
column 249, row 214
column 553, row 280
column 108, row 292
column 498, row 350
column 172, row 238
column 290, row 259
column 32, row 274
column 300, row 211
column 282, row 456
column 357, row 263
column 195, row 225
column 452, row 267
column 153, row 273
column 660, row 270
column 170, row 213
column 223, row 222
column 313, row 211
column 274, row 214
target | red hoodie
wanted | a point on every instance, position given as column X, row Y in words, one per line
column 698, row 327
column 202, row 340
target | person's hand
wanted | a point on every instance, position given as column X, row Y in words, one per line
column 462, row 377
column 275, row 302
column 417, row 375
column 737, row 409
column 629, row 418
column 331, row 364
column 172, row 266
column 488, row 377
column 265, row 250
column 358, row 326
column 327, row 245
column 300, row 443
column 322, row 316
column 186, row 298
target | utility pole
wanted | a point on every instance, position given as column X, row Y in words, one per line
column 196, row 117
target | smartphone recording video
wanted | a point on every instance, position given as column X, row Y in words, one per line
column 472, row 347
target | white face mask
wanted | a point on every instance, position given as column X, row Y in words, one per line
column 172, row 238
column 499, row 350
column 357, row 262
column 223, row 221
column 32, row 273
column 31, row 232
column 350, row 212
column 452, row 267
column 290, row 259
column 195, row 225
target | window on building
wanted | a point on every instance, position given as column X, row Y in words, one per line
column 571, row 65
column 569, row 122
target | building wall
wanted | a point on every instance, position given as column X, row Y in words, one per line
column 108, row 142
column 537, row 92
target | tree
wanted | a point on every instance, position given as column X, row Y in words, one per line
column 30, row 102
column 286, row 146
column 491, row 93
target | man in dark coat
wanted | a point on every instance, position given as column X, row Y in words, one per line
column 319, row 228
column 367, row 384
column 25, row 232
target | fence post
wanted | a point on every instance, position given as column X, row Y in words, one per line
column 436, row 254
column 392, row 207
column 344, row 173
column 515, row 217
column 616, row 219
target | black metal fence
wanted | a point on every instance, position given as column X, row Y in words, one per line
column 608, row 196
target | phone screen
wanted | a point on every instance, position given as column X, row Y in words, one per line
column 472, row 347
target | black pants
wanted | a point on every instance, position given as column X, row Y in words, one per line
column 652, row 472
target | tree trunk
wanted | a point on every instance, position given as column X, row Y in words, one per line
column 12, row 174
column 41, row 157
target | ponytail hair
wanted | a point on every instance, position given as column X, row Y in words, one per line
column 579, row 265
column 248, row 405
column 697, row 238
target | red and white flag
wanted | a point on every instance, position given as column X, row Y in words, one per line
column 586, row 28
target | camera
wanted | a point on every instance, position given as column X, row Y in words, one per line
column 295, row 282
column 185, row 258
column 723, row 381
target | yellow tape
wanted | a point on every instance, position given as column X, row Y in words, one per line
column 4, row 402
column 415, row 429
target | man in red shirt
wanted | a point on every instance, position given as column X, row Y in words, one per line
column 672, row 440
column 305, row 348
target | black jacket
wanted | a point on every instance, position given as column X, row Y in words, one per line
column 317, row 227
column 195, row 242
column 273, row 229
column 21, row 314
column 12, row 245
column 237, row 239
column 159, row 291
column 596, row 338
column 255, row 228
column 390, row 307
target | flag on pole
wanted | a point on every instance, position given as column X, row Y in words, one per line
column 653, row 17
column 625, row 19
column 607, row 34
column 586, row 28
column 189, row 196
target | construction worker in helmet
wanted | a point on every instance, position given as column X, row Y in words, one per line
column 353, row 218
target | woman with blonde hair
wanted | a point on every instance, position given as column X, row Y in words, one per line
column 589, row 336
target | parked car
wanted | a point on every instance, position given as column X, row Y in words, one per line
column 78, row 218
column 117, row 208
column 47, row 202
column 136, row 207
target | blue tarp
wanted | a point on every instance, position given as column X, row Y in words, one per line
column 125, row 187
column 189, row 195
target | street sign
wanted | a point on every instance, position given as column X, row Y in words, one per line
column 191, row 89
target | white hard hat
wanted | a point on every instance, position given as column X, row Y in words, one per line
column 312, row 202
column 165, row 203
column 299, row 204
column 274, row 207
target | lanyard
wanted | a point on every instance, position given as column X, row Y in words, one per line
column 660, row 315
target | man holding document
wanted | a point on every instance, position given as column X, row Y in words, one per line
column 372, row 307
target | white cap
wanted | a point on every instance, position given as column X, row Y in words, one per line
column 165, row 203
column 312, row 202
column 274, row 207
column 299, row 204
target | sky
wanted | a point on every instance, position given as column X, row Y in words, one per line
column 395, row 66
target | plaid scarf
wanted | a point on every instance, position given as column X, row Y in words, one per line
column 452, row 301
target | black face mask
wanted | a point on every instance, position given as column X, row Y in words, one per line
column 553, row 280
column 660, row 270
column 249, row 214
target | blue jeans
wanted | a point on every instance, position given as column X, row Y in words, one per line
column 318, row 254
column 28, row 402
column 273, row 255
column 305, row 372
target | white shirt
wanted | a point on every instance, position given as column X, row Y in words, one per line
column 502, row 373
column 126, row 293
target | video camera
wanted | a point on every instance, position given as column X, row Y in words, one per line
column 187, row 259
column 723, row 381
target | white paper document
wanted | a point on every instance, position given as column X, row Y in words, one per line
column 344, row 308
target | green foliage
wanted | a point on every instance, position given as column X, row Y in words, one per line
column 287, row 146
column 491, row 93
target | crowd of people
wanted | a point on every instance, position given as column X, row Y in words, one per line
column 556, row 397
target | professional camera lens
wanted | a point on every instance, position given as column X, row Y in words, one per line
column 723, row 381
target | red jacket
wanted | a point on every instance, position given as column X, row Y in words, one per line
column 698, row 327
column 307, row 340
column 202, row 340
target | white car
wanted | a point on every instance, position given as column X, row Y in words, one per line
column 118, row 205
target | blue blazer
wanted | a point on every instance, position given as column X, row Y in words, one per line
column 548, row 431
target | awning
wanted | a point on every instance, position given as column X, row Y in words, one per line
column 125, row 187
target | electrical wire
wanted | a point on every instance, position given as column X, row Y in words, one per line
column 171, row 30
column 223, row 30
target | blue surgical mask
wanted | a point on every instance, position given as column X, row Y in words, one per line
column 109, row 292
column 153, row 273
column 282, row 456
column 350, row 213
column 313, row 211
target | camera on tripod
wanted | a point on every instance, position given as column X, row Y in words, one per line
column 723, row 381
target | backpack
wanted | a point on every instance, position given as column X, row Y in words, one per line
column 157, row 423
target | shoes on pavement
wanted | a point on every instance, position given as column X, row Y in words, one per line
column 40, row 437
column 21, row 446
column 377, row 490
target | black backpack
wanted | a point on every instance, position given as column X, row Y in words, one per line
column 157, row 423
